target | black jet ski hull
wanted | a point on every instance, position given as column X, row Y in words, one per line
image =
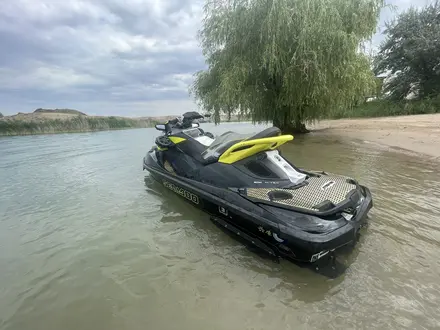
column 256, row 224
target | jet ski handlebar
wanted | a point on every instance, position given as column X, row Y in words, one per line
column 185, row 121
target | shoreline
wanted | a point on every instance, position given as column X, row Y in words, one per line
column 419, row 134
column 416, row 133
column 69, row 131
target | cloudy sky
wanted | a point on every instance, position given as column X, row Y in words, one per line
column 121, row 57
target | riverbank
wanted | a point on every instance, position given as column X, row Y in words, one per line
column 69, row 125
column 53, row 121
column 415, row 133
column 69, row 121
column 388, row 108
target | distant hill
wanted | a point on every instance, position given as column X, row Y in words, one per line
column 69, row 111
column 1, row 115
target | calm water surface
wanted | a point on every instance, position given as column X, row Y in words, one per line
column 87, row 241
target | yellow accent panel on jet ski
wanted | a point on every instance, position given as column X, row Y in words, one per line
column 176, row 139
column 246, row 148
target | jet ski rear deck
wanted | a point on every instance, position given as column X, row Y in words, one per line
column 314, row 196
column 248, row 187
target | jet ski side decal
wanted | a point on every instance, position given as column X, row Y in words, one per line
column 182, row 192
column 270, row 233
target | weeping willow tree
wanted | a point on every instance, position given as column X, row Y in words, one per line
column 284, row 61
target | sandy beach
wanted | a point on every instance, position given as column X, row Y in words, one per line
column 417, row 133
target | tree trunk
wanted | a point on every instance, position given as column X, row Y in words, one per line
column 229, row 110
column 288, row 127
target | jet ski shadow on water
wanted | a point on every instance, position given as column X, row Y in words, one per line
column 256, row 195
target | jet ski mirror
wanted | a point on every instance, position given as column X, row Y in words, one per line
column 160, row 127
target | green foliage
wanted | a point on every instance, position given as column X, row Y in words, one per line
column 286, row 61
column 75, row 124
column 378, row 87
column 411, row 53
column 384, row 108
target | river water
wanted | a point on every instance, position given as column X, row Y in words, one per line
column 87, row 241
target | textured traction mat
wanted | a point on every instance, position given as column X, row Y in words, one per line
column 319, row 189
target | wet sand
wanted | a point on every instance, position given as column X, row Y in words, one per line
column 417, row 133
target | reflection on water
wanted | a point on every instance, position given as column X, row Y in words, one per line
column 89, row 242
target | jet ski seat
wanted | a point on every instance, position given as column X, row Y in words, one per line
column 268, row 132
column 223, row 142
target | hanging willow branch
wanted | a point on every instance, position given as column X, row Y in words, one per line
column 284, row 61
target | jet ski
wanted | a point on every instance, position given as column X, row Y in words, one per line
column 248, row 188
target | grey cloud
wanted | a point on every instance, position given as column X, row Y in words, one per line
column 93, row 52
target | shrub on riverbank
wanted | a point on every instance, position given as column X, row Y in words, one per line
column 384, row 108
column 75, row 124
